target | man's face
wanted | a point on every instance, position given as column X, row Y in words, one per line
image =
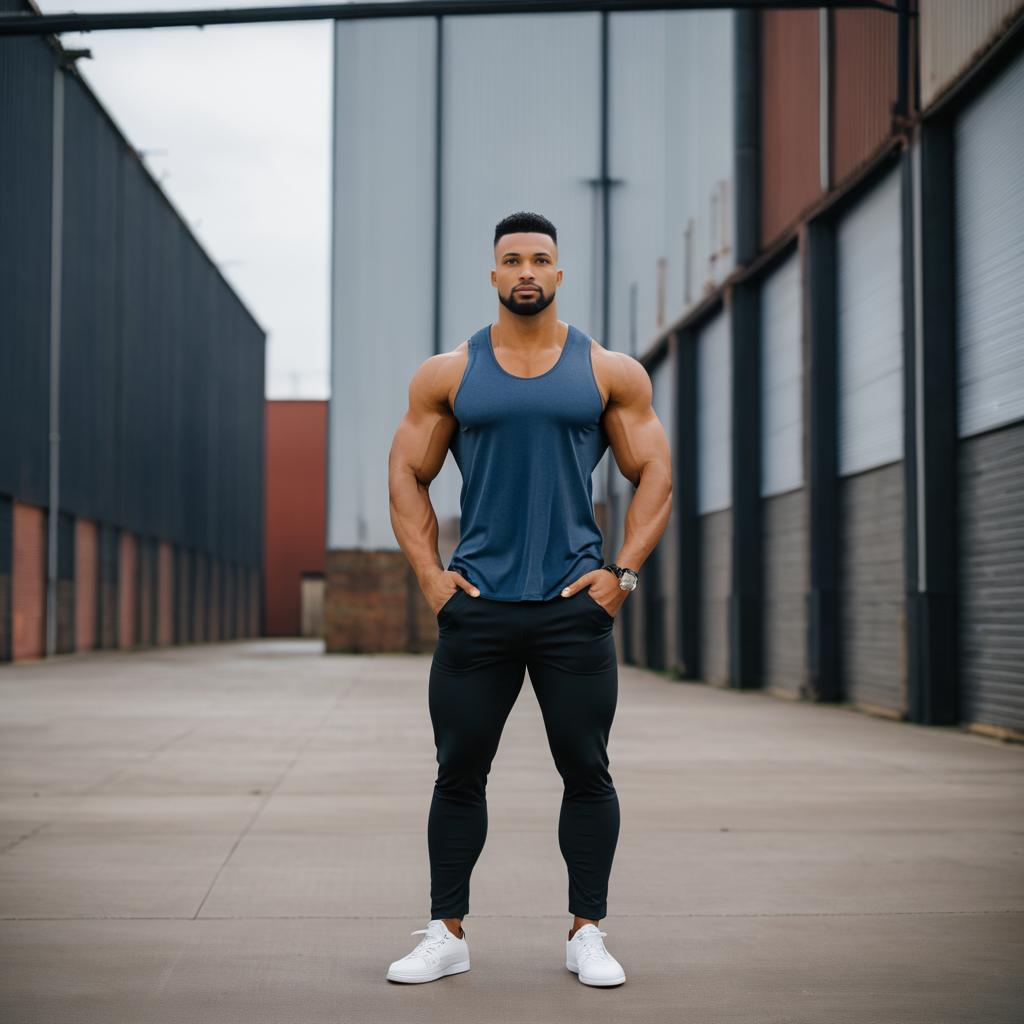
column 525, row 272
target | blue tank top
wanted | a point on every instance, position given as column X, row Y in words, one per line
column 526, row 448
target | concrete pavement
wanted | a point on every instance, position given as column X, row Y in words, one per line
column 237, row 833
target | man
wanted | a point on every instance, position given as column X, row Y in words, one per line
column 527, row 406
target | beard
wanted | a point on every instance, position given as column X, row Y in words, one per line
column 527, row 307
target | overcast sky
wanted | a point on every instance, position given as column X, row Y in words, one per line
column 234, row 122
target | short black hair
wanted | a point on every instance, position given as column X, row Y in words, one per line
column 523, row 221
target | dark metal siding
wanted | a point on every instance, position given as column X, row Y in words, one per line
column 716, row 542
column 26, row 154
column 872, row 592
column 992, row 578
column 786, row 585
column 863, row 86
column 790, row 179
column 162, row 366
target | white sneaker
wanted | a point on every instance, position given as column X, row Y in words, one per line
column 586, row 956
column 438, row 953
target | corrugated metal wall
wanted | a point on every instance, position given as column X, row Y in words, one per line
column 26, row 154
column 989, row 156
column 790, row 137
column 863, row 79
column 954, row 33
column 383, row 189
column 162, row 366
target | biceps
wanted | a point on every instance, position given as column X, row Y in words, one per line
column 420, row 444
column 637, row 438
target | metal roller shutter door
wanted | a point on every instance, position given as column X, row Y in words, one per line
column 989, row 189
column 872, row 601
column 714, row 494
column 784, row 505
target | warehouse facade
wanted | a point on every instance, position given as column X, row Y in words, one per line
column 847, row 452
column 131, row 390
column 807, row 224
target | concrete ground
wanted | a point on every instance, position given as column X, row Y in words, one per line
column 237, row 833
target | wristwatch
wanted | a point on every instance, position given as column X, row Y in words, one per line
column 627, row 577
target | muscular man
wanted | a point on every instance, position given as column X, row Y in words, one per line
column 527, row 406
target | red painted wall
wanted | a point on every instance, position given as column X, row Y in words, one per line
column 296, row 442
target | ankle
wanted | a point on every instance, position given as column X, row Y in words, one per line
column 454, row 925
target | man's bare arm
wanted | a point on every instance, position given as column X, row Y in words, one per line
column 418, row 451
column 641, row 451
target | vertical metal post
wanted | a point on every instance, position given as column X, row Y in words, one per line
column 56, row 270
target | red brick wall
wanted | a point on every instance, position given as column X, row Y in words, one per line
column 165, row 594
column 373, row 602
column 126, row 590
column 29, row 584
column 86, row 583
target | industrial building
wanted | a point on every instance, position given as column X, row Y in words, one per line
column 809, row 227
column 131, row 389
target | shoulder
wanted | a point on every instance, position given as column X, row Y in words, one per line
column 622, row 377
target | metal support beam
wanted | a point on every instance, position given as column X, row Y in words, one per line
column 684, row 488
column 23, row 23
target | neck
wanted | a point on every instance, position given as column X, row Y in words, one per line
column 538, row 331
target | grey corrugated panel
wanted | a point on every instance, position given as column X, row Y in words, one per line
column 870, row 330
column 992, row 578
column 781, row 380
column 714, row 424
column 383, row 233
column 26, row 156
column 716, row 573
column 786, row 584
column 953, row 34
column 872, row 592
column 671, row 83
column 989, row 190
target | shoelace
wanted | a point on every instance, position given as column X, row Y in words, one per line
column 430, row 945
column 591, row 945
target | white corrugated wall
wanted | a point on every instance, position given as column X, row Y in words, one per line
column 953, row 32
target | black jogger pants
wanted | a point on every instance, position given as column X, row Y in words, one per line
column 484, row 649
